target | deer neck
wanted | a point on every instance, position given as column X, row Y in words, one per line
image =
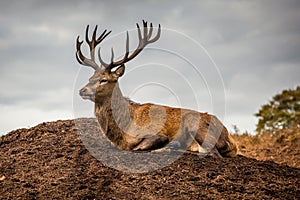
column 113, row 115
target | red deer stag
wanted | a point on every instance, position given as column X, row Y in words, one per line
column 145, row 127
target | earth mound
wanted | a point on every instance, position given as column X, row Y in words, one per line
column 49, row 161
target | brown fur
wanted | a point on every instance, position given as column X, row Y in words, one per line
column 132, row 126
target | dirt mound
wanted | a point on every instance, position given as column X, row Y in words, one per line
column 49, row 161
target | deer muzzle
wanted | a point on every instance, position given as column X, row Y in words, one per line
column 87, row 93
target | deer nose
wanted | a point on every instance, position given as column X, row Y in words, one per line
column 82, row 91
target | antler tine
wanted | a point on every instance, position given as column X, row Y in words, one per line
column 143, row 41
column 112, row 55
column 157, row 35
column 101, row 60
column 145, row 30
column 102, row 36
column 139, row 32
column 92, row 44
column 87, row 33
column 127, row 45
column 150, row 31
column 78, row 52
column 94, row 34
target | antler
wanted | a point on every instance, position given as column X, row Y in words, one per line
column 143, row 41
column 92, row 44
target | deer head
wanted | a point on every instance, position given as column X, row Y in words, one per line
column 104, row 78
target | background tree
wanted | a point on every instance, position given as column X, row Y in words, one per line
column 283, row 111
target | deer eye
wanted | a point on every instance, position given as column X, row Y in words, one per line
column 103, row 81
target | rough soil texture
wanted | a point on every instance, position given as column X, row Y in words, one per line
column 49, row 161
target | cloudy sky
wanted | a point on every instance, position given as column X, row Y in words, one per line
column 224, row 57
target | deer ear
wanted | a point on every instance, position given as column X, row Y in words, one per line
column 120, row 71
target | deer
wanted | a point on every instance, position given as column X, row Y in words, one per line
column 138, row 127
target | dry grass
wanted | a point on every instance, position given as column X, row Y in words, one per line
column 282, row 146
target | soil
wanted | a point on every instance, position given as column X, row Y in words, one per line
column 56, row 160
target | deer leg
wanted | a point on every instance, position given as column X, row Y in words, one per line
column 152, row 142
column 221, row 138
column 196, row 127
column 209, row 132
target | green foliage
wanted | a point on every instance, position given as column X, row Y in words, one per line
column 283, row 111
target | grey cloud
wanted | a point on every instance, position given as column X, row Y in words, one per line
column 254, row 43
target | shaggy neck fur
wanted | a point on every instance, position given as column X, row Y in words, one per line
column 113, row 115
